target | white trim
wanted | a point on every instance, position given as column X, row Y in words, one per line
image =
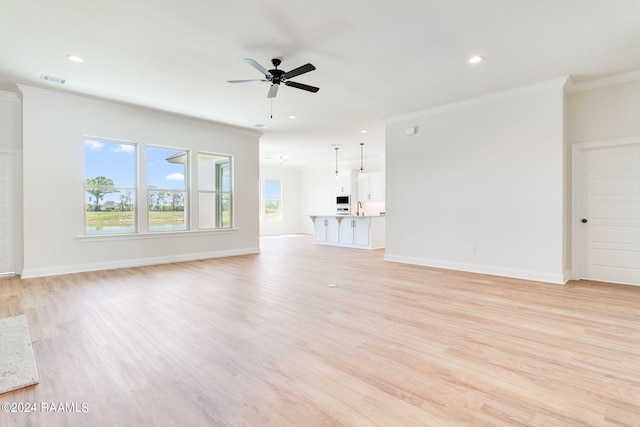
column 10, row 96
column 492, row 97
column 10, row 150
column 11, row 201
column 603, row 82
column 28, row 273
column 106, row 237
column 589, row 145
column 480, row 269
column 577, row 150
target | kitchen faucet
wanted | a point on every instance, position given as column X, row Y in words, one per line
column 358, row 207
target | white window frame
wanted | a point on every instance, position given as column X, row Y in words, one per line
column 218, row 193
column 185, row 191
column 134, row 189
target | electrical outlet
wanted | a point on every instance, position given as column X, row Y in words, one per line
column 54, row 250
column 472, row 249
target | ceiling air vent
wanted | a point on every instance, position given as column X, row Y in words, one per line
column 52, row 79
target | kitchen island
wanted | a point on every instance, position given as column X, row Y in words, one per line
column 362, row 232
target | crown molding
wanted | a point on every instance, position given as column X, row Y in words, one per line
column 10, row 96
column 484, row 99
column 603, row 82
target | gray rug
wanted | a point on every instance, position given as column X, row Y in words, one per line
column 17, row 363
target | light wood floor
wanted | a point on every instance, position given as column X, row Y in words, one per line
column 262, row 340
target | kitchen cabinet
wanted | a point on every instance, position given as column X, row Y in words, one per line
column 333, row 231
column 371, row 187
column 361, row 231
column 320, row 229
column 364, row 232
column 355, row 231
column 326, row 229
column 346, row 182
column 346, row 231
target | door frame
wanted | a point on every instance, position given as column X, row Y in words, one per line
column 13, row 211
column 578, row 195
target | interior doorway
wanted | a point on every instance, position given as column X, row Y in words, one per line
column 606, row 211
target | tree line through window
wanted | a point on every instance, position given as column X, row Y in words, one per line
column 112, row 172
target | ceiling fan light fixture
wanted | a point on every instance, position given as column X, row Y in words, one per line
column 476, row 59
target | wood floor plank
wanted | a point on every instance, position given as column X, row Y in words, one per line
column 262, row 340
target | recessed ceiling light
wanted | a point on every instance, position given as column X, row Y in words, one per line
column 292, row 117
column 475, row 59
column 74, row 58
column 363, row 131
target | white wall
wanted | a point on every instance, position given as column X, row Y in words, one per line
column 480, row 186
column 605, row 111
column 10, row 127
column 11, row 147
column 291, row 222
column 319, row 194
column 53, row 197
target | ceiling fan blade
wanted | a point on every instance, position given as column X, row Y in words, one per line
column 257, row 66
column 297, row 71
column 273, row 91
column 303, row 86
column 247, row 81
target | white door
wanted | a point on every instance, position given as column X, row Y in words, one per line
column 607, row 218
column 6, row 214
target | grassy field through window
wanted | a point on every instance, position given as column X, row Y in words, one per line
column 119, row 221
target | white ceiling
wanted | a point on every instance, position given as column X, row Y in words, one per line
column 374, row 60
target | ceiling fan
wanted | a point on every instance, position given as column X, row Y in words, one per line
column 277, row 77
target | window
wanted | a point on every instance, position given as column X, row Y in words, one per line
column 166, row 189
column 272, row 200
column 214, row 191
column 113, row 200
column 110, row 187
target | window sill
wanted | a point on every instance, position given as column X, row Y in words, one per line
column 154, row 235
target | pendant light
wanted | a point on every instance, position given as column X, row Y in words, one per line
column 337, row 173
column 361, row 164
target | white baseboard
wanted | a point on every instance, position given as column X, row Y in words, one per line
column 481, row 269
column 138, row 262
